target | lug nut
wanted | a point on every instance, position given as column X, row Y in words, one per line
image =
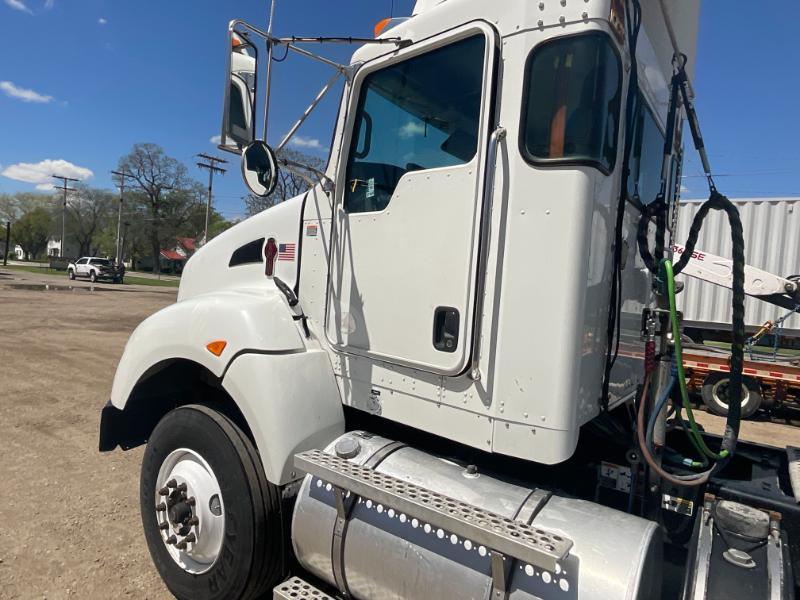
column 181, row 487
column 163, row 526
column 193, row 521
column 172, row 483
column 191, row 501
column 190, row 538
column 160, row 507
column 163, row 492
column 181, row 545
column 172, row 540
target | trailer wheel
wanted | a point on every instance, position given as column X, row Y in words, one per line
column 715, row 395
column 212, row 521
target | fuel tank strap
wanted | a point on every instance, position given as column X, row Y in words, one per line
column 344, row 507
column 503, row 567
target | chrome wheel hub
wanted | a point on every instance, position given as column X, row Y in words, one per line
column 189, row 510
column 721, row 391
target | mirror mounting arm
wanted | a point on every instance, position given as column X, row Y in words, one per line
column 300, row 169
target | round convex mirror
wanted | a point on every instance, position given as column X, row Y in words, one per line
column 260, row 168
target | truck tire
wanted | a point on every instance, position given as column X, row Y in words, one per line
column 92, row 276
column 715, row 395
column 71, row 274
column 233, row 525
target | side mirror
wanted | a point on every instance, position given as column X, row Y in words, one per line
column 239, row 113
column 260, row 168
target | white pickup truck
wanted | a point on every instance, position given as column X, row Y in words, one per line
column 95, row 268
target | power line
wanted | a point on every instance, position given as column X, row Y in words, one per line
column 64, row 187
column 211, row 165
column 121, row 175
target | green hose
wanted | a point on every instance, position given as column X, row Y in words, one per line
column 696, row 438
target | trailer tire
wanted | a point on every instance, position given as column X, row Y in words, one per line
column 715, row 397
column 239, row 549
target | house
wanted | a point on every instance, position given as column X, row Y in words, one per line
column 15, row 252
column 172, row 259
column 54, row 249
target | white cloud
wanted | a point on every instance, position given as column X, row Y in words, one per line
column 41, row 173
column 215, row 139
column 48, row 4
column 18, row 5
column 684, row 189
column 45, row 187
column 411, row 129
column 26, row 95
column 299, row 141
column 102, row 20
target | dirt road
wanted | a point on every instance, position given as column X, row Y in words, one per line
column 69, row 516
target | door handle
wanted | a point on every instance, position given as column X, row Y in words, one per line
column 446, row 321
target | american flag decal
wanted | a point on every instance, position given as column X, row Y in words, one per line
column 286, row 251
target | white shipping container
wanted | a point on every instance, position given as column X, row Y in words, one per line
column 772, row 243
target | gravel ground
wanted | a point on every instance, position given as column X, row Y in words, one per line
column 69, row 516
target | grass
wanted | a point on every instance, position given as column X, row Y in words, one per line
column 129, row 280
column 758, row 351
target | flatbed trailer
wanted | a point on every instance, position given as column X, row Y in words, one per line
column 768, row 384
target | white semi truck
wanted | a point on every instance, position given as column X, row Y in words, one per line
column 424, row 377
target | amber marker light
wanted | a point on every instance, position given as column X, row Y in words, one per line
column 216, row 347
column 379, row 28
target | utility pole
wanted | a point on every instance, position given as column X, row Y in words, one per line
column 121, row 175
column 63, row 208
column 211, row 165
column 8, row 240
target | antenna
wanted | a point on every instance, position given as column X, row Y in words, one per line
column 270, row 47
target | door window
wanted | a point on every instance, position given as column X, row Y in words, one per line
column 421, row 113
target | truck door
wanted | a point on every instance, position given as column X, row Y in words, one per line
column 408, row 203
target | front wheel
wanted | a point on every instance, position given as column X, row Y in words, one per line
column 71, row 274
column 211, row 519
column 92, row 276
column 715, row 395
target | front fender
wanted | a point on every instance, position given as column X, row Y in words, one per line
column 291, row 403
column 248, row 321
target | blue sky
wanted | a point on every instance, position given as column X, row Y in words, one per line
column 81, row 81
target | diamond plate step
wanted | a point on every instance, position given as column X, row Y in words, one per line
column 297, row 589
column 511, row 538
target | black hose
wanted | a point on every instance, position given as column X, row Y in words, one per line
column 615, row 302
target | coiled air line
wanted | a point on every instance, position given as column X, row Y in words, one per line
column 665, row 277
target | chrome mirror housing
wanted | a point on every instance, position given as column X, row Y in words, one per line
column 260, row 168
column 239, row 113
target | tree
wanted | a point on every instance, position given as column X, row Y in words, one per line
column 32, row 230
column 166, row 190
column 12, row 206
column 89, row 212
column 289, row 184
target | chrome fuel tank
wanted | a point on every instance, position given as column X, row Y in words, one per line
column 383, row 554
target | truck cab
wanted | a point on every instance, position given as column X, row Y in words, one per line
column 409, row 364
